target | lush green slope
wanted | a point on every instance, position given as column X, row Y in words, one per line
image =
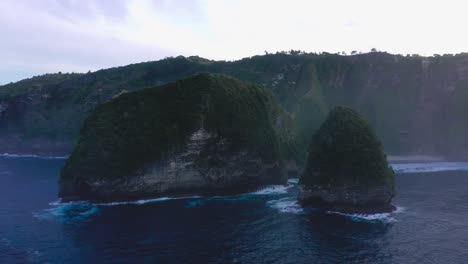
column 123, row 135
column 416, row 104
column 25, row 86
column 346, row 152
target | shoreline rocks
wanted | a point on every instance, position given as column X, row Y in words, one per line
column 348, row 199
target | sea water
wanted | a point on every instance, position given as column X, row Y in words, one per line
column 430, row 224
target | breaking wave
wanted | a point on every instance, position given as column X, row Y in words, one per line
column 272, row 189
column 80, row 210
column 382, row 217
column 269, row 190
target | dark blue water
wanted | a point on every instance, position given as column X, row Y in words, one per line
column 430, row 226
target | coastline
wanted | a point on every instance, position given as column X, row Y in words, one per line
column 412, row 158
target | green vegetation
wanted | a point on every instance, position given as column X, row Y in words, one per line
column 416, row 104
column 25, row 86
column 311, row 109
column 345, row 151
column 137, row 128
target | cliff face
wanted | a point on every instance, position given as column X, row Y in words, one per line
column 415, row 104
column 205, row 134
column 184, row 173
column 346, row 166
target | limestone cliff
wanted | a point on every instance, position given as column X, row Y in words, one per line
column 205, row 134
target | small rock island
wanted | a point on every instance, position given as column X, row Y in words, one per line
column 347, row 170
column 207, row 134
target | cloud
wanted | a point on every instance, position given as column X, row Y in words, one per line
column 55, row 37
column 80, row 35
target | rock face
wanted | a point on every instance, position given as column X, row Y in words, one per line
column 208, row 134
column 346, row 169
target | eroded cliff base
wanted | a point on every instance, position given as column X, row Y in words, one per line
column 348, row 199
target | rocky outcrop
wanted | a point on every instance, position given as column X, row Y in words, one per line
column 192, row 137
column 185, row 173
column 349, row 199
column 346, row 169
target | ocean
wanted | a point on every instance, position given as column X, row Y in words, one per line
column 430, row 224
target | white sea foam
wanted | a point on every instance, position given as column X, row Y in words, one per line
column 286, row 205
column 293, row 181
column 8, row 155
column 429, row 167
column 382, row 217
column 77, row 211
column 272, row 189
column 145, row 201
column 269, row 190
column 69, row 212
column 265, row 191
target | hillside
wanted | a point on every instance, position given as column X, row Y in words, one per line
column 416, row 104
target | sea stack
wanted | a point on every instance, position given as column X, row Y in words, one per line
column 346, row 169
column 207, row 134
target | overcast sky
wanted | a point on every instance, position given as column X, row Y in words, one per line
column 42, row 36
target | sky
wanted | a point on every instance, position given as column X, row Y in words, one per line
column 46, row 36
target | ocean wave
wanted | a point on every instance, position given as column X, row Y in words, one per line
column 135, row 202
column 268, row 190
column 265, row 191
column 79, row 211
column 62, row 208
column 429, row 167
column 286, row 205
column 381, row 217
column 7, row 155
column 70, row 212
column 271, row 190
